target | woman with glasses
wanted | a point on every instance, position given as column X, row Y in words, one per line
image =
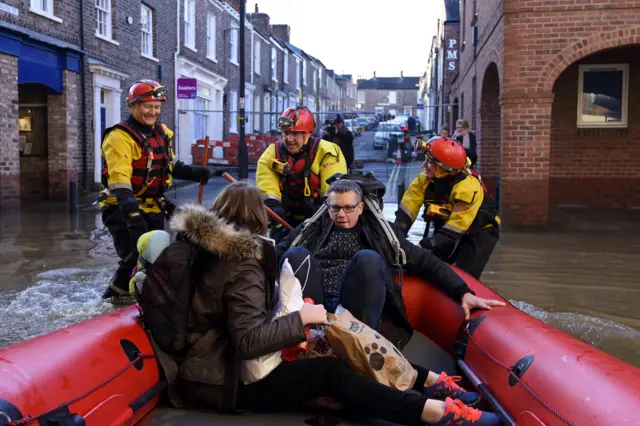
column 137, row 169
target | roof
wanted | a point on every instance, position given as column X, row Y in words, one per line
column 40, row 37
column 390, row 83
column 452, row 10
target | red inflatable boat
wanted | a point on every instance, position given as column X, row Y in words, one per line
column 103, row 371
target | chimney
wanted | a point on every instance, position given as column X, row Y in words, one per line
column 401, row 74
column 257, row 11
column 282, row 31
column 261, row 20
column 374, row 74
column 235, row 4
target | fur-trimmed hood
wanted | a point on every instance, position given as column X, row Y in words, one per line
column 204, row 228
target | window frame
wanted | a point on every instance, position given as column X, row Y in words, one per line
column 212, row 43
column 233, row 116
column 233, row 45
column 298, row 71
column 189, row 20
column 108, row 36
column 257, row 54
column 285, row 66
column 274, row 64
column 149, row 10
column 624, row 122
column 46, row 11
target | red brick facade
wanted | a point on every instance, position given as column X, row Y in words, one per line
column 524, row 107
column 9, row 158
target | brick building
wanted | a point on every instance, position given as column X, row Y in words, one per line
column 442, row 69
column 389, row 95
column 548, row 89
column 349, row 91
column 66, row 69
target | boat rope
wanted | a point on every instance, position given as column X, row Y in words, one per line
column 524, row 385
column 31, row 418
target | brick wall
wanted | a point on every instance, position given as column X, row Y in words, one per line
column 403, row 97
column 65, row 143
column 69, row 11
column 595, row 166
column 34, row 178
column 9, row 157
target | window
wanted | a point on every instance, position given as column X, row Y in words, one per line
column 202, row 117
column 233, row 45
column 146, row 25
column 256, row 57
column 274, row 64
column 190, row 24
column 603, row 95
column 320, row 78
column 392, row 97
column 43, row 8
column 361, row 96
column 233, row 111
column 286, row 67
column 315, row 79
column 298, row 73
column 304, row 72
column 211, row 37
column 103, row 18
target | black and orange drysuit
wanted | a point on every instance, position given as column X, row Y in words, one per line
column 464, row 215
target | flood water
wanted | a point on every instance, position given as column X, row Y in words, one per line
column 581, row 277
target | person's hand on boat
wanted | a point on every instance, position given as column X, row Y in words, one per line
column 313, row 314
column 471, row 301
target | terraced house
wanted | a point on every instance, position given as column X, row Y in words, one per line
column 66, row 67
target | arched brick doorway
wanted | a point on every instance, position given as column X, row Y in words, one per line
column 595, row 131
column 490, row 128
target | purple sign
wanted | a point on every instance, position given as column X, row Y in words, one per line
column 187, row 88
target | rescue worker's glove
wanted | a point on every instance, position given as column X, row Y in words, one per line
column 196, row 174
column 426, row 243
column 128, row 205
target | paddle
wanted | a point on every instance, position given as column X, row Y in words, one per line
column 273, row 214
column 204, row 164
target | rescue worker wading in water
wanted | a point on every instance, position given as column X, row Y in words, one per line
column 292, row 173
column 137, row 169
column 456, row 201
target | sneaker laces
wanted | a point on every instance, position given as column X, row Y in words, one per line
column 450, row 383
column 461, row 411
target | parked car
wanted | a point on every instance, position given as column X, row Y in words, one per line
column 384, row 133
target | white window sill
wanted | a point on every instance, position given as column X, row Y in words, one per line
column 234, row 62
column 286, row 82
column 192, row 48
column 150, row 57
column 45, row 15
column 257, row 73
column 602, row 126
column 212, row 59
column 101, row 37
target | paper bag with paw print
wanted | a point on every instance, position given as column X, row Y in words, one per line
column 367, row 352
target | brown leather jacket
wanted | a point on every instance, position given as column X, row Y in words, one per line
column 229, row 319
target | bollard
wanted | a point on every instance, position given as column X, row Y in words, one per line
column 73, row 197
column 401, row 187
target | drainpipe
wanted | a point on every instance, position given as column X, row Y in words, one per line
column 176, row 116
column 83, row 72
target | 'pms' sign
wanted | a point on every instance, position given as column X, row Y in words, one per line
column 452, row 54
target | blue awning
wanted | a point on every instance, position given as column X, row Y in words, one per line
column 41, row 59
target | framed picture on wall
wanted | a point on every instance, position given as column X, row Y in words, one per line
column 27, row 148
column 24, row 124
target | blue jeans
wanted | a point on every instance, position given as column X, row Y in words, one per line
column 363, row 284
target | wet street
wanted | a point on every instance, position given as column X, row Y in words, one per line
column 580, row 276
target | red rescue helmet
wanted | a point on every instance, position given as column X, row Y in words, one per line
column 297, row 119
column 445, row 152
column 146, row 91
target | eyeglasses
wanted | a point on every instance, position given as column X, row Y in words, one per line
column 336, row 208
